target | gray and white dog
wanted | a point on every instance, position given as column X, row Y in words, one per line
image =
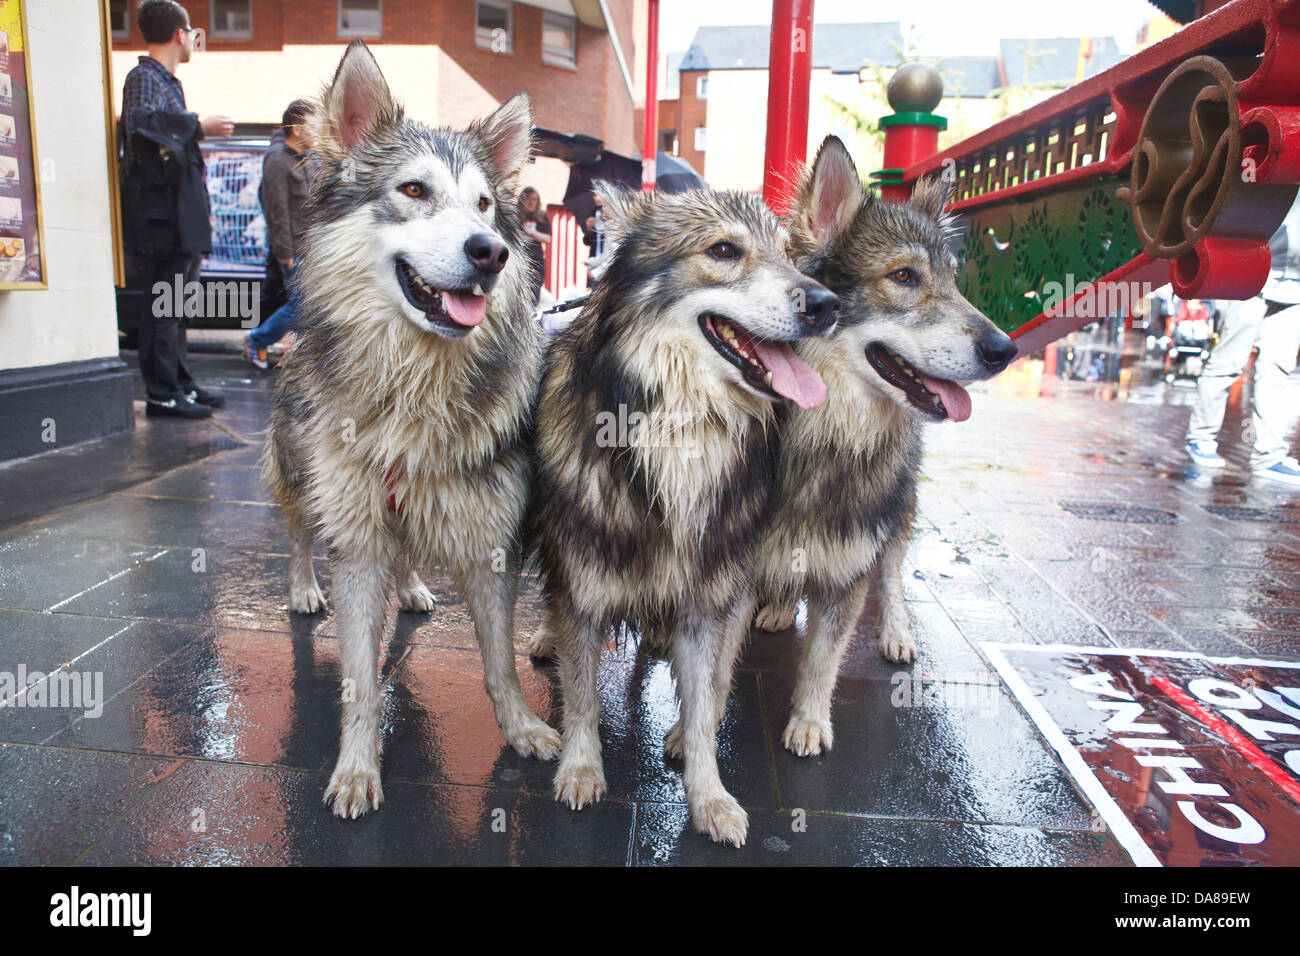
column 399, row 432
column 847, row 474
column 688, row 335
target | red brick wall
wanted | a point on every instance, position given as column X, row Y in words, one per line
column 591, row 99
column 693, row 112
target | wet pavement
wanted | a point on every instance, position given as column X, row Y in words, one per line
column 155, row 561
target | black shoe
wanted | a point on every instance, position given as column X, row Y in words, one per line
column 204, row 397
column 176, row 408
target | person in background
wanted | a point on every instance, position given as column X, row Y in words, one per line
column 285, row 181
column 537, row 228
column 273, row 291
column 594, row 238
column 166, row 230
column 1271, row 321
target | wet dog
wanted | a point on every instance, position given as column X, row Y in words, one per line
column 686, row 339
column 401, row 421
column 847, row 473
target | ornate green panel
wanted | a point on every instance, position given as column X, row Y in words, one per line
column 1012, row 250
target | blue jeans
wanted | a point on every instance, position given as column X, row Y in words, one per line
column 283, row 320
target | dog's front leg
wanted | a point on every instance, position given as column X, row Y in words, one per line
column 895, row 640
column 305, row 595
column 490, row 596
column 734, row 634
column 697, row 648
column 580, row 777
column 831, row 618
column 412, row 595
column 361, row 598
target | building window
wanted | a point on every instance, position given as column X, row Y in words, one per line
column 494, row 27
column 701, row 139
column 361, row 18
column 232, row 19
column 702, row 87
column 559, row 39
column 119, row 19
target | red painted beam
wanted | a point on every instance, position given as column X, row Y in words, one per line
column 789, row 74
column 650, row 141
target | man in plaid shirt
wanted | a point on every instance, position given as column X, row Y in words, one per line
column 166, row 231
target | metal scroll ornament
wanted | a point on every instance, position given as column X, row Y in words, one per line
column 1193, row 199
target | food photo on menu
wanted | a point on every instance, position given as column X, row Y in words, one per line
column 7, row 126
column 9, row 168
column 11, row 214
column 13, row 258
column 6, row 86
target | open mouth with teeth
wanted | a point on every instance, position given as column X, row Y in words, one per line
column 769, row 367
column 452, row 312
column 937, row 397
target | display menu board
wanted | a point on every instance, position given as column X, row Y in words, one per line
column 21, row 245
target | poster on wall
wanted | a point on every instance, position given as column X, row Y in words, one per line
column 21, row 237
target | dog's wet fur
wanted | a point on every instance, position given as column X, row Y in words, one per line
column 412, row 383
column 847, row 473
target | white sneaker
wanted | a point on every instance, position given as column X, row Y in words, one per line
column 1206, row 454
column 1287, row 471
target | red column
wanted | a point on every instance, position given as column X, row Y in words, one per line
column 788, row 74
column 650, row 142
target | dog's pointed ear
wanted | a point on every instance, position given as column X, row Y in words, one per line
column 619, row 206
column 830, row 195
column 508, row 133
column 357, row 103
column 931, row 195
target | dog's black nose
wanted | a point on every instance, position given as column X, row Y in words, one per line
column 819, row 307
column 488, row 253
column 996, row 350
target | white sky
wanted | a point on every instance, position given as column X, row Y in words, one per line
column 943, row 27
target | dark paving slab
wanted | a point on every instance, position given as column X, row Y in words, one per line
column 225, row 482
column 272, row 817
column 928, row 750
column 246, row 696
column 664, row 838
column 104, row 657
column 222, row 587
column 39, row 573
column 55, row 803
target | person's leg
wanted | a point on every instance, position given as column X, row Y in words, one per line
column 183, row 374
column 1279, row 341
column 159, row 334
column 1240, row 330
column 284, row 321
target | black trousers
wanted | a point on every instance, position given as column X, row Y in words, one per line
column 163, row 363
column 274, row 293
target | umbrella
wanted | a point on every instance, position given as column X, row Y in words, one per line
column 673, row 175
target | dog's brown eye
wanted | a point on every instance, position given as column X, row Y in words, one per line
column 724, row 250
column 414, row 190
column 483, row 203
column 904, row 276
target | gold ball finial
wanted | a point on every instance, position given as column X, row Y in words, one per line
column 915, row 88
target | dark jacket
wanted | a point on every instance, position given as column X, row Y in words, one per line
column 285, row 179
column 165, row 209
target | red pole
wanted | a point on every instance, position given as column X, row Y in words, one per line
column 789, row 73
column 650, row 142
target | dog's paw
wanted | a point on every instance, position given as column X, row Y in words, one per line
column 579, row 785
column 418, row 599
column 806, row 737
column 898, row 647
column 673, row 741
column 541, row 645
column 352, row 792
column 721, row 819
column 775, row 617
column 307, row 600
column 533, row 738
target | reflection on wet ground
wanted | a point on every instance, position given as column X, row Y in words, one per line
column 218, row 722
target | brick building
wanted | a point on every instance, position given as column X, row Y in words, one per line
column 449, row 61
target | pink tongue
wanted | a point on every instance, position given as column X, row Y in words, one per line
column 955, row 398
column 791, row 378
column 464, row 307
